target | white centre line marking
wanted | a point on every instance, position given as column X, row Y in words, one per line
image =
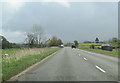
column 100, row 69
column 84, row 58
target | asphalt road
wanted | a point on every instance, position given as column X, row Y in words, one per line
column 74, row 65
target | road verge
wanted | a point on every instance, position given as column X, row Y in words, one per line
column 16, row 68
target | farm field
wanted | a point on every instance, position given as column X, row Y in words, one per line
column 86, row 46
column 18, row 60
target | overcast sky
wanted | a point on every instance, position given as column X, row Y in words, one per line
column 67, row 20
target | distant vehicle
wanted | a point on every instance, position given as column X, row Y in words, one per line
column 106, row 47
column 73, row 46
column 61, row 46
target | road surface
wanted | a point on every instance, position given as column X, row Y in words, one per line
column 74, row 65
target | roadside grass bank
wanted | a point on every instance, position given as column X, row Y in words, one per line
column 11, row 51
column 13, row 65
column 87, row 48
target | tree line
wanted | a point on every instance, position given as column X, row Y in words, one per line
column 35, row 38
column 4, row 44
column 113, row 40
column 54, row 41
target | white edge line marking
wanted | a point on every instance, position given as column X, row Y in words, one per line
column 100, row 69
column 84, row 58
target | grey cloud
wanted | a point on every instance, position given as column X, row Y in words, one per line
column 82, row 21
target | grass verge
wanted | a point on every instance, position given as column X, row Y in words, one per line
column 14, row 66
column 114, row 52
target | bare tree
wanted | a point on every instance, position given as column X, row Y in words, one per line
column 36, row 36
column 38, row 33
column 30, row 39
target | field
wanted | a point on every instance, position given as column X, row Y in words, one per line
column 86, row 46
column 18, row 60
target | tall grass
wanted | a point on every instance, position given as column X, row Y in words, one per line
column 10, row 51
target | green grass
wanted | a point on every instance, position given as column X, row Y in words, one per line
column 86, row 44
column 87, row 47
column 14, row 67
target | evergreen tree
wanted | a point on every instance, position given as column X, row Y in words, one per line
column 97, row 40
column 76, row 43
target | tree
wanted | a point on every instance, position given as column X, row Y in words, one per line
column 114, row 40
column 30, row 39
column 76, row 43
column 34, row 38
column 97, row 40
column 59, row 41
column 38, row 33
column 48, row 42
column 54, row 42
column 5, row 43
